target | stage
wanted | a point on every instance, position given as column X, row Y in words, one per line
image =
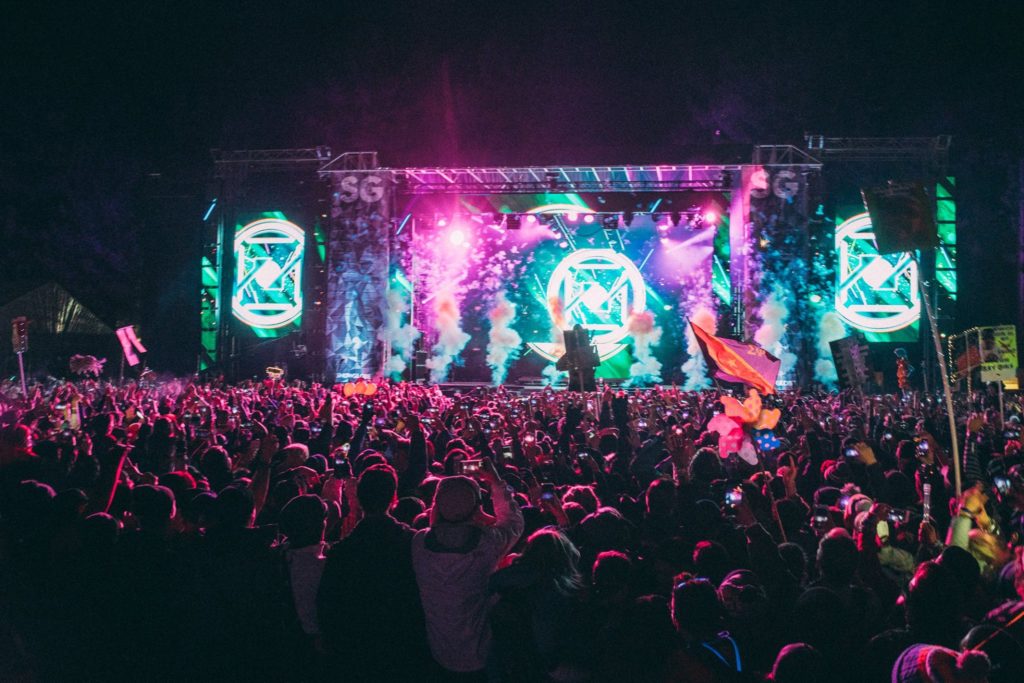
column 467, row 276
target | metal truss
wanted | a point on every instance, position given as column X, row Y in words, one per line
column 228, row 161
column 935, row 148
column 784, row 155
column 543, row 179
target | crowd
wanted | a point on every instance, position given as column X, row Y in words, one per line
column 286, row 531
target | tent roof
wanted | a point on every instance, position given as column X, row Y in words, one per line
column 51, row 309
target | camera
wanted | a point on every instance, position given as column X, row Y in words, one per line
column 468, row 467
column 342, row 467
column 922, row 446
column 547, row 491
column 1003, row 484
column 899, row 516
column 851, row 452
column 734, row 497
column 507, row 455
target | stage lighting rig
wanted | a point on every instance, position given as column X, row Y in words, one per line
column 610, row 222
column 512, row 222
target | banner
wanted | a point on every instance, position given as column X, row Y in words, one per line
column 998, row 353
column 130, row 344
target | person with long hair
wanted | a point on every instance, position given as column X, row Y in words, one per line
column 537, row 615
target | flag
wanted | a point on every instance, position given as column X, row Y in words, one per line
column 733, row 361
column 130, row 344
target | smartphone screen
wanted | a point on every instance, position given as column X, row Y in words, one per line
column 469, row 467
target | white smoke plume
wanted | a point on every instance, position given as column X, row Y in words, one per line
column 647, row 368
column 504, row 342
column 774, row 312
column 552, row 375
column 396, row 332
column 450, row 337
column 830, row 328
column 695, row 369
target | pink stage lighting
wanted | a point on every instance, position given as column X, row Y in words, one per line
column 711, row 217
column 572, row 216
column 588, row 218
column 531, row 219
column 442, row 221
column 457, row 238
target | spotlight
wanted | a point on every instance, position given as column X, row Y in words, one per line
column 663, row 227
column 627, row 217
column 588, row 218
column 531, row 219
column 572, row 216
column 512, row 222
column 441, row 221
column 457, row 238
column 711, row 217
column 610, row 222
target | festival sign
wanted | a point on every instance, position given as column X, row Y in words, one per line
column 598, row 289
column 998, row 353
column 267, row 291
column 877, row 294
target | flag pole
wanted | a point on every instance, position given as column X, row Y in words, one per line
column 940, row 358
column 21, row 371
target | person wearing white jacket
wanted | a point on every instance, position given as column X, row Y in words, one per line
column 453, row 560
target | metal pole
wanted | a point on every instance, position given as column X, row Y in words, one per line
column 21, row 370
column 940, row 359
column 1002, row 409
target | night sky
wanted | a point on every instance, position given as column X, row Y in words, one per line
column 109, row 111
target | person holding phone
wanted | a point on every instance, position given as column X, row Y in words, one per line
column 454, row 558
column 364, row 627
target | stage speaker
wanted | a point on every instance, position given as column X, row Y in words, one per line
column 902, row 217
column 853, row 365
column 419, row 371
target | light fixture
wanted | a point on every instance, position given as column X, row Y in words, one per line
column 512, row 222
column 627, row 217
column 610, row 222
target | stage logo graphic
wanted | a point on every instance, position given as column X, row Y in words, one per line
column 267, row 290
column 875, row 293
column 598, row 288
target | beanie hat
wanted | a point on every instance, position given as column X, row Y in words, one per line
column 936, row 664
column 456, row 499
